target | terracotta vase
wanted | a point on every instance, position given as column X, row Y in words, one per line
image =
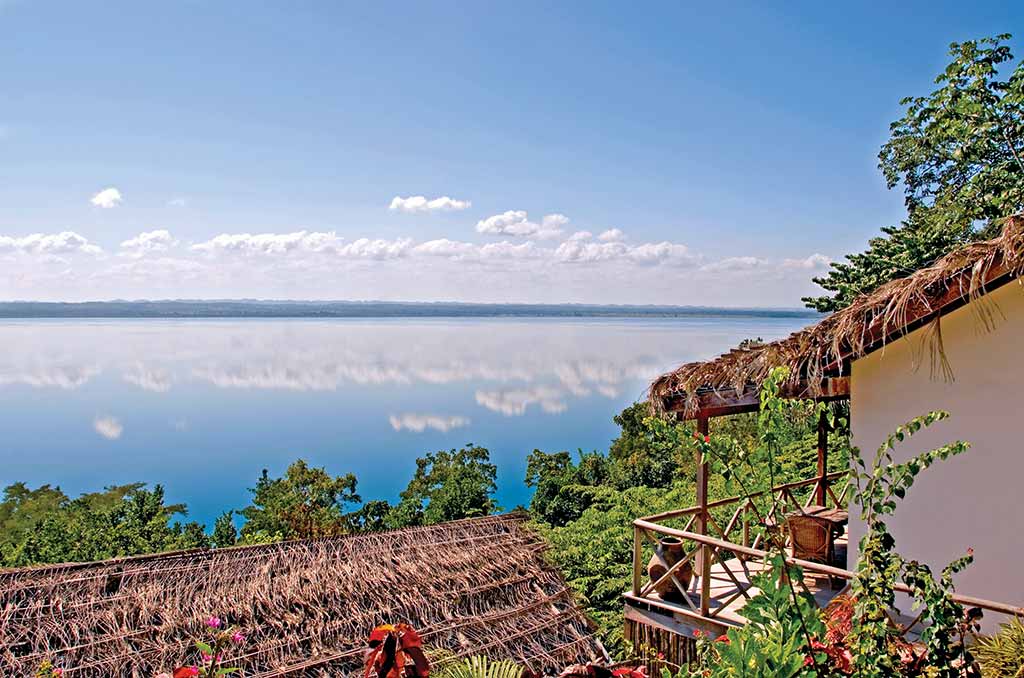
column 669, row 552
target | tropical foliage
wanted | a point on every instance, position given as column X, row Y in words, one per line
column 785, row 634
column 44, row 525
column 479, row 666
column 1001, row 655
column 959, row 155
column 305, row 503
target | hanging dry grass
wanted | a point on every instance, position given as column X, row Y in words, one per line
column 894, row 309
column 478, row 586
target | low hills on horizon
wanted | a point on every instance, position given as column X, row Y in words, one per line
column 257, row 308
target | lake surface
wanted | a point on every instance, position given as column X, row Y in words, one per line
column 202, row 406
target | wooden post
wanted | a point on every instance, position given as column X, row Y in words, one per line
column 704, row 561
column 821, row 495
column 638, row 550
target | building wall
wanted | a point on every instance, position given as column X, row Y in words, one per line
column 974, row 500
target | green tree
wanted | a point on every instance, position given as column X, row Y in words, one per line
column 224, row 531
column 635, row 461
column 22, row 511
column 305, row 503
column 448, row 485
column 959, row 154
column 122, row 520
column 563, row 489
column 370, row 517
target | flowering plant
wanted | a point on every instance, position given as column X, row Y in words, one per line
column 211, row 652
column 48, row 670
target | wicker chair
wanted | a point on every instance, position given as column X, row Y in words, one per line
column 811, row 539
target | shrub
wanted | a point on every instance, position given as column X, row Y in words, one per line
column 1002, row 655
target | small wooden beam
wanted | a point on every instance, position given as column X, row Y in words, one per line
column 638, row 546
column 704, row 561
column 726, row 401
column 820, row 494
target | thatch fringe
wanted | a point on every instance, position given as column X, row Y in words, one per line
column 872, row 320
column 478, row 585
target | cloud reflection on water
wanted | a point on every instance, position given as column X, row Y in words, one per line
column 511, row 366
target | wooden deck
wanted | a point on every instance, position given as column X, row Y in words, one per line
column 726, row 599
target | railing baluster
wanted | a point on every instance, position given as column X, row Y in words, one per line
column 638, row 554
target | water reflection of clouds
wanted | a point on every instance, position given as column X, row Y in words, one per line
column 67, row 377
column 108, row 427
column 513, row 402
column 509, row 367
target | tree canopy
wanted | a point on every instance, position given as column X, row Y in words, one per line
column 448, row 485
column 305, row 503
column 959, row 155
column 46, row 526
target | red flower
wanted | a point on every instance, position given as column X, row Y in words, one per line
column 707, row 439
column 185, row 672
column 697, row 633
column 722, row 639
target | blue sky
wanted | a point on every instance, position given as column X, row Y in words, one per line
column 725, row 153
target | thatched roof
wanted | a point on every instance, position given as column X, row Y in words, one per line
column 819, row 356
column 472, row 586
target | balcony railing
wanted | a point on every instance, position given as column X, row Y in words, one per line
column 723, row 544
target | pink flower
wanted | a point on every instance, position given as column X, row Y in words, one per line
column 213, row 622
column 237, row 637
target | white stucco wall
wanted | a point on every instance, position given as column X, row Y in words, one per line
column 974, row 500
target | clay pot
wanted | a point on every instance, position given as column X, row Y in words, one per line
column 669, row 552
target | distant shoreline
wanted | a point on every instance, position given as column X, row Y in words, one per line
column 370, row 309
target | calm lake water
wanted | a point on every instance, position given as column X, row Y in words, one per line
column 202, row 406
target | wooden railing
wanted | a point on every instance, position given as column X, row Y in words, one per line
column 732, row 532
column 746, row 521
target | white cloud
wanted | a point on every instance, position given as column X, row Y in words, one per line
column 443, row 247
column 419, row 423
column 813, row 262
column 513, row 402
column 517, row 223
column 107, row 198
column 65, row 242
column 148, row 243
column 586, row 251
column 419, row 203
column 364, row 248
column 177, row 202
column 268, row 243
column 108, row 427
column 304, row 242
column 730, row 264
column 579, row 266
